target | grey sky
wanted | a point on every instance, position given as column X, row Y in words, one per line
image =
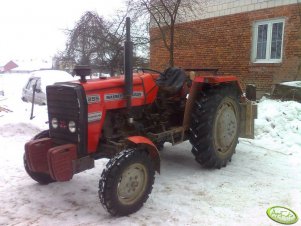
column 34, row 28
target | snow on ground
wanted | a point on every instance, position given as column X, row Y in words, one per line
column 293, row 83
column 279, row 125
column 264, row 172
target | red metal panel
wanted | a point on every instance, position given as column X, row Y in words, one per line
column 218, row 80
column 143, row 140
column 144, row 85
column 36, row 154
column 140, row 139
column 60, row 161
column 215, row 79
column 153, row 151
column 150, row 86
column 113, row 82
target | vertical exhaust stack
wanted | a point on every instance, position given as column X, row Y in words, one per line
column 128, row 66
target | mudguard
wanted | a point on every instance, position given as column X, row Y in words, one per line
column 151, row 147
column 248, row 108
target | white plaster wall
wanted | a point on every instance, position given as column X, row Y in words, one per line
column 215, row 8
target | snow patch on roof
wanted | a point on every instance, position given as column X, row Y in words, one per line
column 33, row 64
column 49, row 77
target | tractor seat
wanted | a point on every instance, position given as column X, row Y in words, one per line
column 172, row 80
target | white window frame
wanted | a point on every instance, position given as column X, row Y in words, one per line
column 269, row 41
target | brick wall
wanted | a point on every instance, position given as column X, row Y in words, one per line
column 225, row 42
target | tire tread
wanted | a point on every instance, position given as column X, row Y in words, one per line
column 109, row 176
column 202, row 120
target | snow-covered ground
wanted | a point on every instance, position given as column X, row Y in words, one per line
column 264, row 172
column 294, row 83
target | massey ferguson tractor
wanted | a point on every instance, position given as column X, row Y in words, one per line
column 128, row 119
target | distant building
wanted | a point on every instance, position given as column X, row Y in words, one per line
column 8, row 67
column 257, row 40
column 27, row 66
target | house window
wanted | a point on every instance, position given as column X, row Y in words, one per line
column 268, row 41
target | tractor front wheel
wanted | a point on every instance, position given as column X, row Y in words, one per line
column 215, row 126
column 126, row 182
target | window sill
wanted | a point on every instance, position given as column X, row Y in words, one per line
column 266, row 63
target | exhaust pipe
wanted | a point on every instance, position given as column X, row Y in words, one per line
column 128, row 66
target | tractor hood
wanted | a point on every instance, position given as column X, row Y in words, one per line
column 112, row 82
column 144, row 88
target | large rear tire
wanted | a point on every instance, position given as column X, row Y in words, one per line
column 126, row 182
column 214, row 126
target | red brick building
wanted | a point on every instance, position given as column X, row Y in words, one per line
column 257, row 40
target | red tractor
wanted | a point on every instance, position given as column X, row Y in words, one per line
column 128, row 119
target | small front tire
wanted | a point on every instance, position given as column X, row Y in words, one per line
column 126, row 182
column 43, row 134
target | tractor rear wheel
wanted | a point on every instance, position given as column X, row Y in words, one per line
column 215, row 126
column 126, row 182
column 41, row 178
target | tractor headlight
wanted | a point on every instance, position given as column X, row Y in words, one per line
column 54, row 123
column 72, row 126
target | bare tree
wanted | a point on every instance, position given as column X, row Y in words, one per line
column 98, row 42
column 82, row 39
column 95, row 42
column 164, row 15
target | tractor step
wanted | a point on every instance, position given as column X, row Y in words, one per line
column 82, row 164
column 174, row 135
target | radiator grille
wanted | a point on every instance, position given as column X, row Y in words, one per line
column 66, row 102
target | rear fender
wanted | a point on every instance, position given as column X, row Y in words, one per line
column 219, row 80
column 196, row 87
column 149, row 145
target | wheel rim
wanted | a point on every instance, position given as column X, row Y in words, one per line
column 226, row 125
column 132, row 183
